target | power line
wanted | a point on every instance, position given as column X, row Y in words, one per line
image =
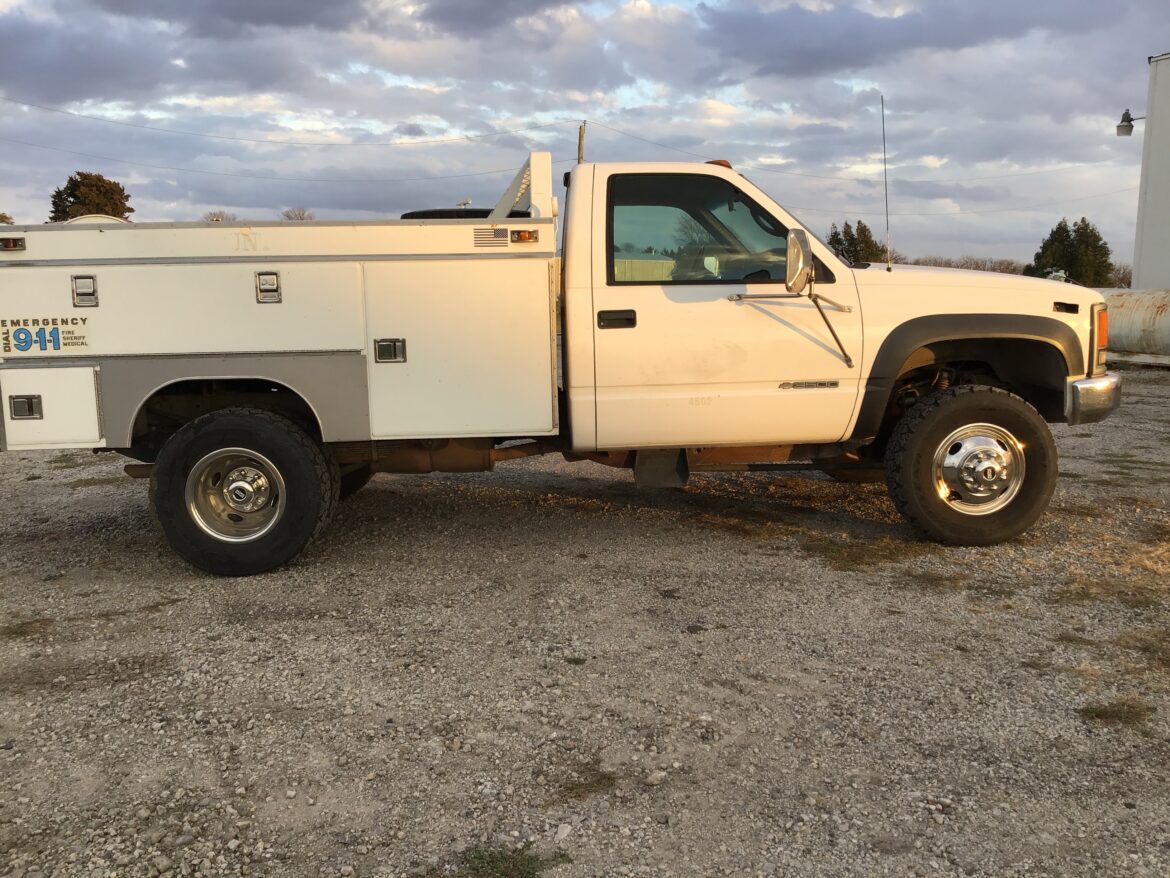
column 706, row 157
column 939, row 180
column 278, row 178
column 460, row 138
column 646, row 140
column 473, row 137
column 840, row 179
column 105, row 158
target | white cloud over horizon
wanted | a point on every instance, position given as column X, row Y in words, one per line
column 1000, row 115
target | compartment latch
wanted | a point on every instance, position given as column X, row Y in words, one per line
column 26, row 408
column 85, row 293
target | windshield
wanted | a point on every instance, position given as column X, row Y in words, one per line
column 811, row 233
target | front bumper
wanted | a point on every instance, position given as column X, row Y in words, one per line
column 1092, row 399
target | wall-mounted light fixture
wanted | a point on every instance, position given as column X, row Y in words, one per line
column 1125, row 126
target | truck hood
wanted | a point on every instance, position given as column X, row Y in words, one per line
column 923, row 277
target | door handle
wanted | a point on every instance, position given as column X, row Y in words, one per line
column 626, row 319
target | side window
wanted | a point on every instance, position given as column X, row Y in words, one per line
column 690, row 228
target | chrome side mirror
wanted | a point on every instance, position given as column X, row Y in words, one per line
column 800, row 261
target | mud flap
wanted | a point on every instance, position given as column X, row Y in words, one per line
column 661, row 469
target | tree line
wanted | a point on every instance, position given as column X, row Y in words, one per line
column 1075, row 252
column 86, row 193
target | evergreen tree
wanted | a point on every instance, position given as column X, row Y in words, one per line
column 1055, row 253
column 836, row 242
column 849, row 251
column 857, row 245
column 867, row 248
column 1093, row 266
column 1080, row 252
column 85, row 193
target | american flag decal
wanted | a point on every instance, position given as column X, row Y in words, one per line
column 491, row 237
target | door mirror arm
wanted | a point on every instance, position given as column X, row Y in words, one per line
column 801, row 277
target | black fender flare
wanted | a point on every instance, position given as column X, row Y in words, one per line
column 919, row 332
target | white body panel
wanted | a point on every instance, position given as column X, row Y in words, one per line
column 184, row 308
column 699, row 369
column 909, row 291
column 479, row 341
column 69, row 408
column 477, row 312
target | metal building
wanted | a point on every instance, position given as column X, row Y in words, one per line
column 1151, row 255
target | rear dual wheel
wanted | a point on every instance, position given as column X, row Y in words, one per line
column 241, row 491
column 971, row 465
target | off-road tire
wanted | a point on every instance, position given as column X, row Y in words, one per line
column 309, row 474
column 354, row 480
column 910, row 464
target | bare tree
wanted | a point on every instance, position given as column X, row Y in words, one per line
column 688, row 231
column 219, row 216
column 297, row 214
column 972, row 263
column 1122, row 277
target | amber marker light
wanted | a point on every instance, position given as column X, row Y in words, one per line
column 1102, row 335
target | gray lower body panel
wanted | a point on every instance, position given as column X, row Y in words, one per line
column 333, row 383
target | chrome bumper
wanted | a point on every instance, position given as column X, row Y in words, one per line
column 1092, row 399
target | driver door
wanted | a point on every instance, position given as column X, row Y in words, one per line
column 677, row 362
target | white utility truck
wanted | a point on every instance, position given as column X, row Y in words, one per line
column 259, row 371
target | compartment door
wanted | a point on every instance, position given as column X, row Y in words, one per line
column 461, row 347
column 51, row 408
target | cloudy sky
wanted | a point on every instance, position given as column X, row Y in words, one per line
column 1000, row 113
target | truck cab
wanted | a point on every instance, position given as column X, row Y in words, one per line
column 680, row 329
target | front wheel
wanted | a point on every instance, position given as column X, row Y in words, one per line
column 241, row 491
column 971, row 465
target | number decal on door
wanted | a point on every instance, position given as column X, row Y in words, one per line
column 25, row 339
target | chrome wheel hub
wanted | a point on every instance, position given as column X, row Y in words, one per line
column 246, row 489
column 235, row 495
column 979, row 469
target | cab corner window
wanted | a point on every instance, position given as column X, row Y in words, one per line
column 690, row 228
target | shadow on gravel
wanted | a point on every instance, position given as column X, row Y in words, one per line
column 498, row 862
column 70, row 674
column 34, row 628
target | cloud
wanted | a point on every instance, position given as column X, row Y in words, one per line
column 469, row 18
column 789, row 89
column 795, row 41
column 220, row 18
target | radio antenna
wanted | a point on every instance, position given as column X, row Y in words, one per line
column 886, row 180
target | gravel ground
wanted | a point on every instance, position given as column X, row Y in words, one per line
column 544, row 671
